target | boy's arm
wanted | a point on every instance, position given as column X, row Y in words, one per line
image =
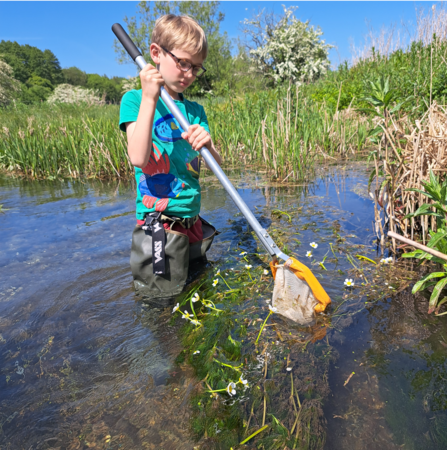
column 139, row 133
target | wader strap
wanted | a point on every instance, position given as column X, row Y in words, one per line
column 155, row 225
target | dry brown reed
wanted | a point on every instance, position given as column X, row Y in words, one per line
column 389, row 39
column 408, row 151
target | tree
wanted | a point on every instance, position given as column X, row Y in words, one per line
column 111, row 89
column 26, row 61
column 8, row 85
column 285, row 48
column 209, row 17
column 75, row 76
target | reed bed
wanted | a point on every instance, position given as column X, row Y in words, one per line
column 67, row 145
column 284, row 132
column 278, row 130
column 409, row 149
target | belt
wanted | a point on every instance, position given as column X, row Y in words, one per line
column 185, row 222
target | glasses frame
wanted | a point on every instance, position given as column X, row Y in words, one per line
column 177, row 62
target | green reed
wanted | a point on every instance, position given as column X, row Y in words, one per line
column 68, row 142
column 277, row 129
column 283, row 131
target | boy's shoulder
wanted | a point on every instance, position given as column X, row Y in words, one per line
column 132, row 96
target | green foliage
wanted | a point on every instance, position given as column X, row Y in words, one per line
column 110, row 89
column 437, row 193
column 27, row 61
column 408, row 73
column 75, row 76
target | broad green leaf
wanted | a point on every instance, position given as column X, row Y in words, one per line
column 420, row 283
column 435, row 294
column 421, row 192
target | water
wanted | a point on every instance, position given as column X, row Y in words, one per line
column 83, row 363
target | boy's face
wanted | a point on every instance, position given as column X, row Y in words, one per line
column 176, row 80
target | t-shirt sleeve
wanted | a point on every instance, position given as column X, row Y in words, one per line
column 196, row 114
column 129, row 108
column 203, row 119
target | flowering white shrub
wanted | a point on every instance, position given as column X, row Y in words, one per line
column 66, row 93
column 129, row 84
column 288, row 49
column 8, row 85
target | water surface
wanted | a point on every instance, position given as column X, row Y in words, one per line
column 83, row 363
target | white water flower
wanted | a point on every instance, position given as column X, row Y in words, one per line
column 215, row 282
column 185, row 315
column 289, row 369
column 195, row 298
column 273, row 309
column 196, row 352
column 195, row 322
column 176, row 307
column 387, row 260
column 243, row 253
column 231, row 389
column 266, row 272
column 313, row 245
column 309, row 254
column 242, row 381
column 349, row 282
column 248, row 266
column 218, row 272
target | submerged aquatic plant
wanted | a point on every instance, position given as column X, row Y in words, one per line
column 272, row 310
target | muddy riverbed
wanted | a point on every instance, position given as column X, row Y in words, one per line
column 85, row 364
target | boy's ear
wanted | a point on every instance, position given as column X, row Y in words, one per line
column 155, row 53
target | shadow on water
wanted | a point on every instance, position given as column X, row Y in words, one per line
column 83, row 363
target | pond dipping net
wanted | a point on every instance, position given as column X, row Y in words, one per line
column 297, row 294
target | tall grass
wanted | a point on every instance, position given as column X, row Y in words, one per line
column 65, row 140
column 278, row 129
column 285, row 132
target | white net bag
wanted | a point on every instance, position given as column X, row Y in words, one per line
column 293, row 297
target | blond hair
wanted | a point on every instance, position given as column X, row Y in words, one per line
column 180, row 32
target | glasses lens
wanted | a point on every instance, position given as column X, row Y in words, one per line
column 184, row 65
column 198, row 71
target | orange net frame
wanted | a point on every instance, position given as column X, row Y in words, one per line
column 305, row 274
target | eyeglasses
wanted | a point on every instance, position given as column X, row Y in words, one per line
column 184, row 65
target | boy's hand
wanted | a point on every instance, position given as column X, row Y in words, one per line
column 198, row 137
column 151, row 82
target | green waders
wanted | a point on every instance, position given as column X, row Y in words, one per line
column 176, row 255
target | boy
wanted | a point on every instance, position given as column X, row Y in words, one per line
column 166, row 160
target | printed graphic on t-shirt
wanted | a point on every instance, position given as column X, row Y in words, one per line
column 167, row 129
column 156, row 184
column 194, row 167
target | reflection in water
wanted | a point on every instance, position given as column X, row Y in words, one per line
column 82, row 363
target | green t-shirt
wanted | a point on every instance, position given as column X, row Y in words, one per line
column 170, row 181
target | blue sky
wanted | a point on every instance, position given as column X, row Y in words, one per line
column 79, row 33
